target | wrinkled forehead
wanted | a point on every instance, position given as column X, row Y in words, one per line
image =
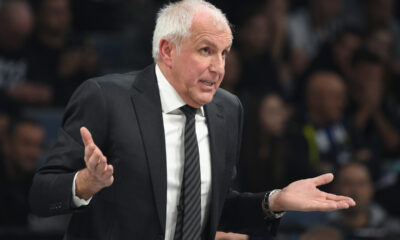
column 206, row 20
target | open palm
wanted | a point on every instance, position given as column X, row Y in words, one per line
column 304, row 195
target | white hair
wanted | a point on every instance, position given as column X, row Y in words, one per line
column 174, row 21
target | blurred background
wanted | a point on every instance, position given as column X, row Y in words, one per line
column 319, row 81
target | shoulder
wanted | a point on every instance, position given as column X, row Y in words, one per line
column 119, row 83
column 115, row 80
column 228, row 103
column 226, row 99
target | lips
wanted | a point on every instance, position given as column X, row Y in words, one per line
column 207, row 86
column 208, row 83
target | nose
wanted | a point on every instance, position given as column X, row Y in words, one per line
column 217, row 65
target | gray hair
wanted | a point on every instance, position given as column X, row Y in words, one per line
column 174, row 21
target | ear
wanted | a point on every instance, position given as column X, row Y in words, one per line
column 166, row 51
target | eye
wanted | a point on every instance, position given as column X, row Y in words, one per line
column 205, row 50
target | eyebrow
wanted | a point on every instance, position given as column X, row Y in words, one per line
column 208, row 42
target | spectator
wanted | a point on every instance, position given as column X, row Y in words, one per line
column 254, row 45
column 265, row 149
column 376, row 17
column 310, row 28
column 367, row 219
column 16, row 23
column 375, row 133
column 379, row 14
column 337, row 55
column 323, row 136
column 276, row 11
column 21, row 152
column 57, row 56
column 380, row 42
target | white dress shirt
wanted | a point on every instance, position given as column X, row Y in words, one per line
column 174, row 128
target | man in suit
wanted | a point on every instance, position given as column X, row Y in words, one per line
column 124, row 175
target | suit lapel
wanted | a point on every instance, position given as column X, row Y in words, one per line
column 147, row 105
column 216, row 129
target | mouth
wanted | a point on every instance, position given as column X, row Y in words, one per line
column 208, row 83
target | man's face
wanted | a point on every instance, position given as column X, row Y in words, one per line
column 16, row 25
column 198, row 68
column 368, row 83
column 25, row 147
column 354, row 181
column 380, row 12
column 327, row 97
column 273, row 115
column 55, row 16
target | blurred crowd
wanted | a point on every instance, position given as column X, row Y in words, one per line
column 319, row 81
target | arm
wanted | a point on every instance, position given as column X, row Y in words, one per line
column 51, row 191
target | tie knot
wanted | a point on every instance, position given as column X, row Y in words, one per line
column 189, row 111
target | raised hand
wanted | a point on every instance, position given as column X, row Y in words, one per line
column 303, row 195
column 97, row 174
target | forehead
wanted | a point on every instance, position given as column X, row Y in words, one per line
column 28, row 128
column 354, row 172
column 205, row 27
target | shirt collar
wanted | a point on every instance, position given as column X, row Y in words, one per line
column 170, row 99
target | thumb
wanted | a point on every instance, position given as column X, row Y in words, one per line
column 323, row 179
column 86, row 136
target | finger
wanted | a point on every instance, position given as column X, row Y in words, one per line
column 104, row 160
column 329, row 205
column 109, row 171
column 86, row 136
column 89, row 150
column 101, row 166
column 321, row 206
column 322, row 179
column 110, row 168
column 94, row 160
column 342, row 205
column 108, row 177
column 334, row 197
column 109, row 181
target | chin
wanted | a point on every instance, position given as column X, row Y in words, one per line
column 204, row 101
column 204, row 98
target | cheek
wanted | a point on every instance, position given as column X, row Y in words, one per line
column 194, row 74
column 218, row 84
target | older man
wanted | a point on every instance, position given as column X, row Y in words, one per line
column 162, row 147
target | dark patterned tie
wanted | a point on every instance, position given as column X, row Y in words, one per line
column 188, row 225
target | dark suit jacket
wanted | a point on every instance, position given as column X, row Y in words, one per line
column 123, row 113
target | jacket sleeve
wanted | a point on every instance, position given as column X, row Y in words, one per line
column 51, row 191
